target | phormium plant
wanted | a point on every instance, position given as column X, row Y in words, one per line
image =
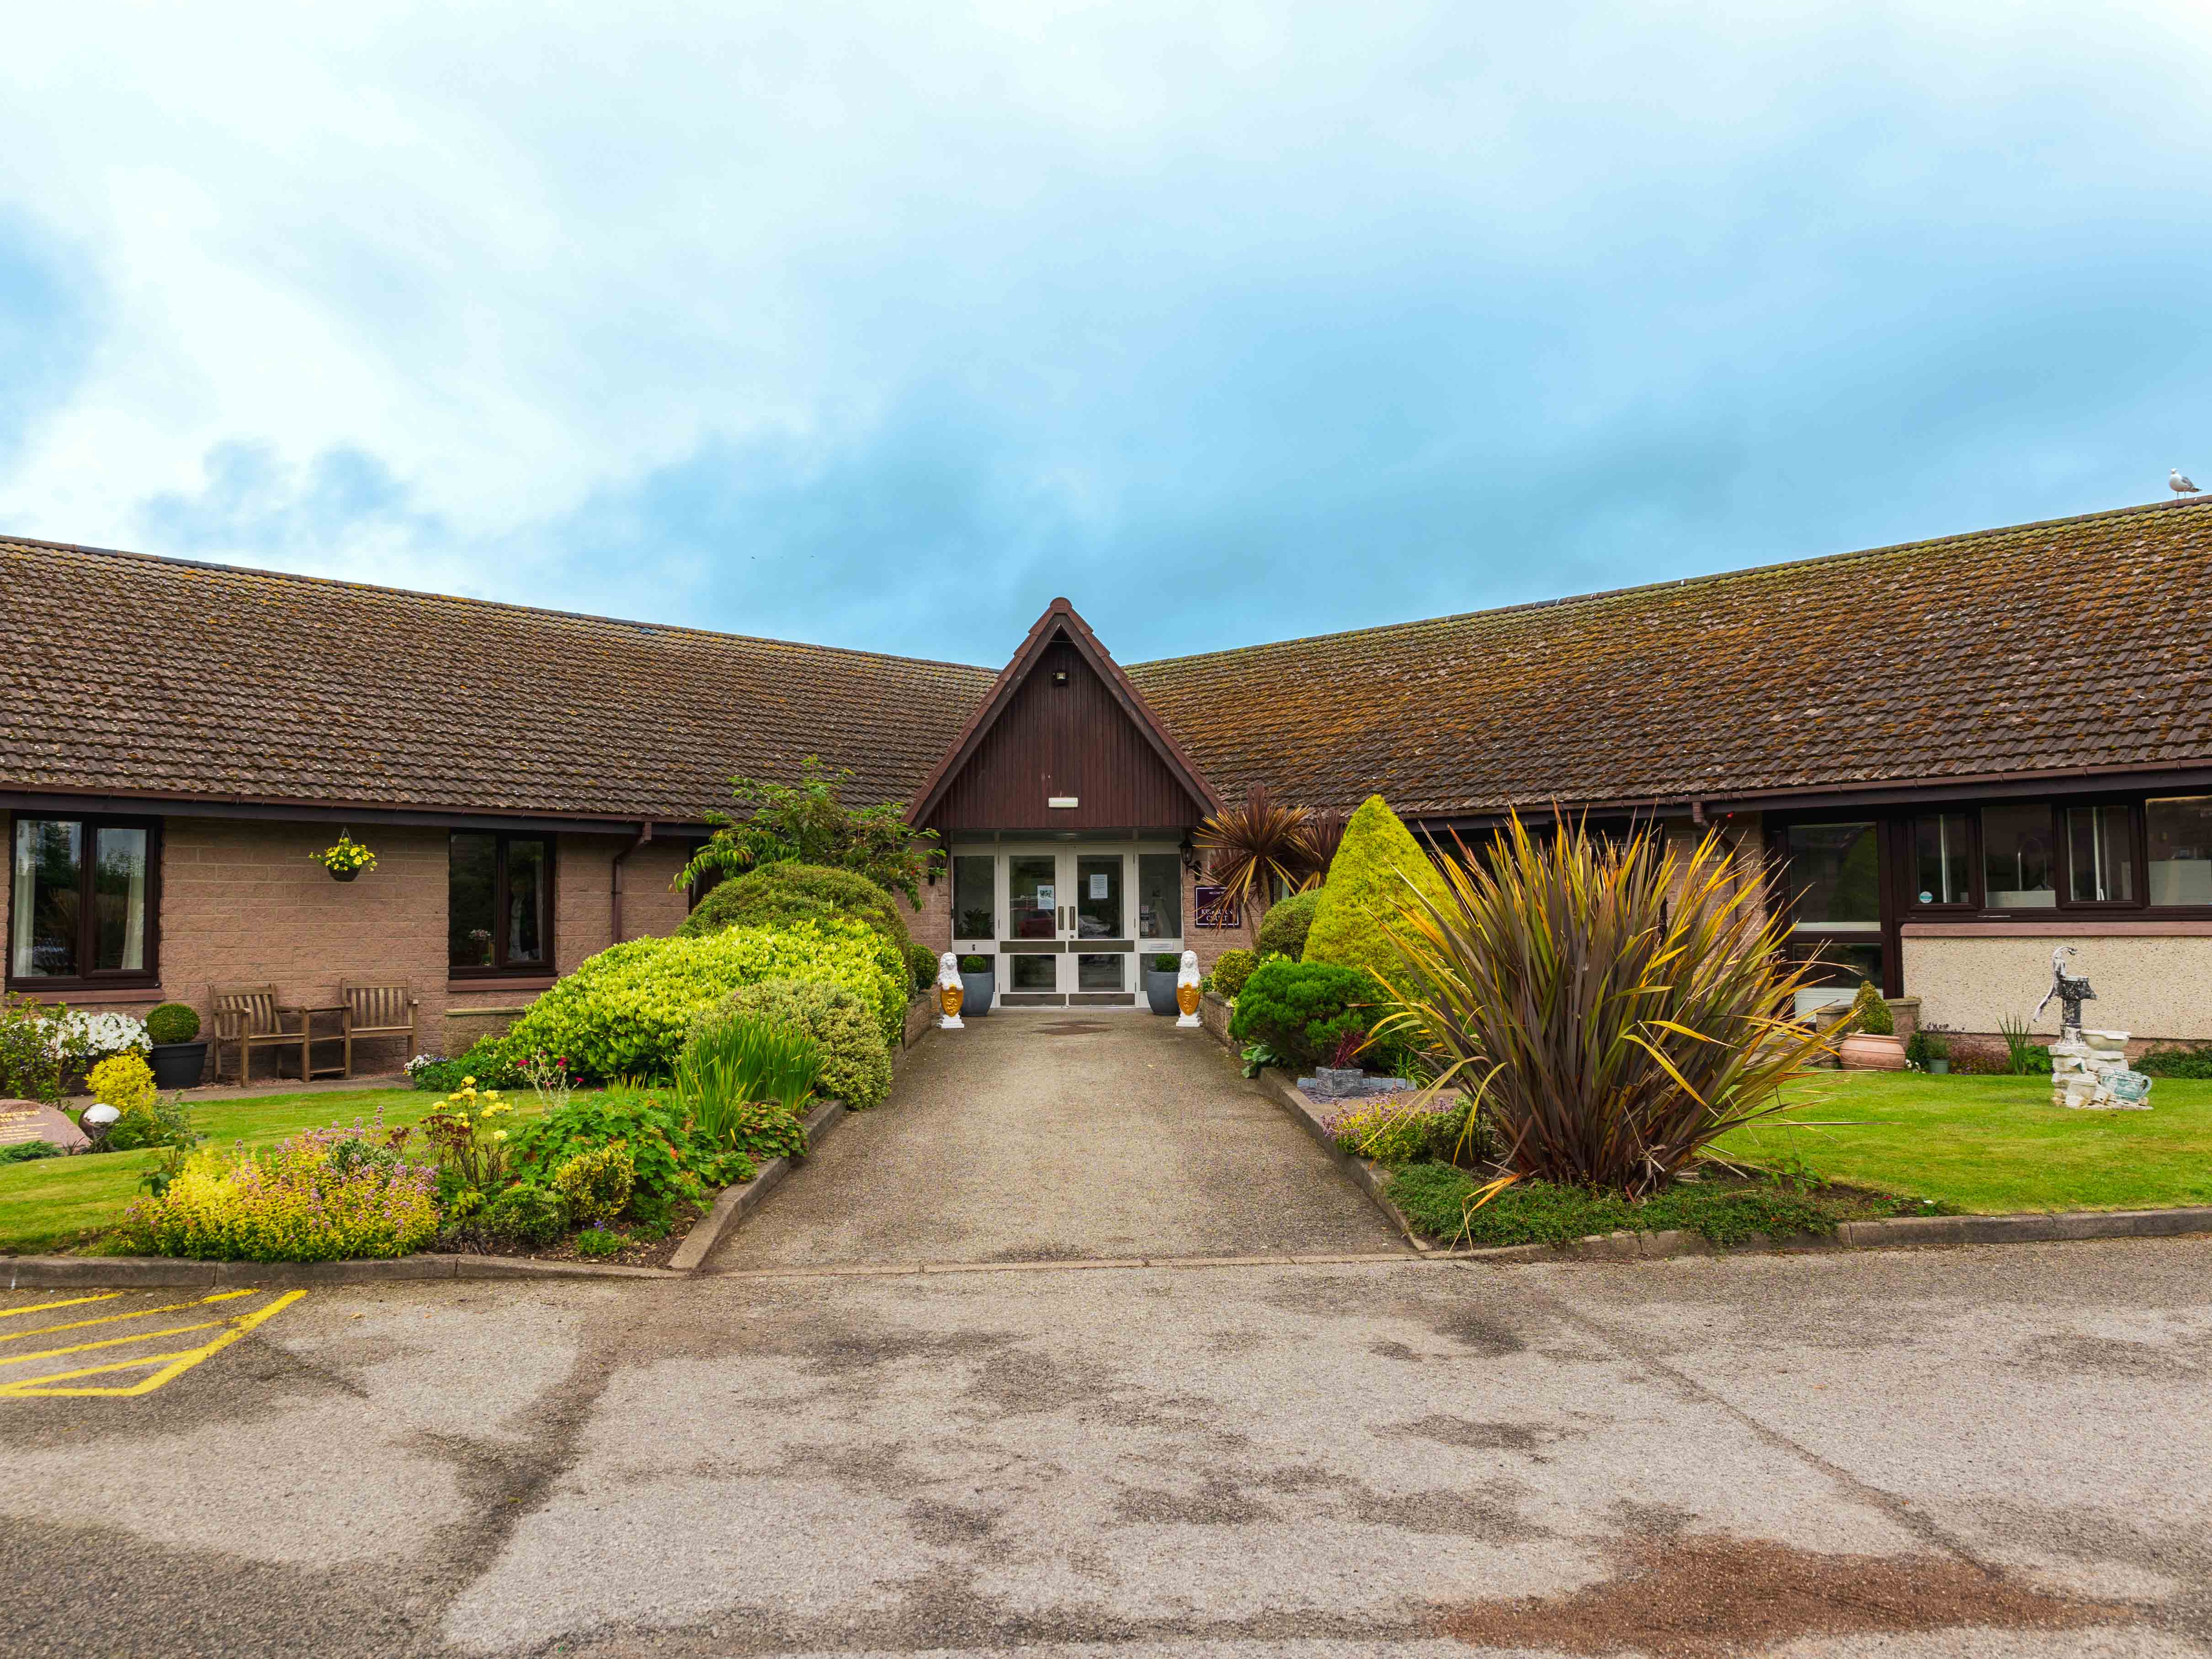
column 1613, row 1006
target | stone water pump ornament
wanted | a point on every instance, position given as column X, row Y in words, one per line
column 950, row 993
column 2089, row 1070
column 1190, row 987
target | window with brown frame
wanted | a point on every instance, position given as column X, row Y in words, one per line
column 499, row 903
column 84, row 910
column 2034, row 857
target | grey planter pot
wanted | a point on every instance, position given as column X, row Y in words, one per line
column 1940, row 1067
column 177, row 1065
column 975, row 991
column 1160, row 992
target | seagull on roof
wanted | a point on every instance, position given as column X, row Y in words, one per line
column 2177, row 484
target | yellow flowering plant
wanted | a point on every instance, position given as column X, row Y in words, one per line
column 466, row 1127
column 347, row 857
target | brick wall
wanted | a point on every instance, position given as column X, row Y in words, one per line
column 1211, row 942
column 243, row 903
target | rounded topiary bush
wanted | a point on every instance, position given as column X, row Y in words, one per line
column 1283, row 930
column 1230, row 969
column 1869, row 1013
column 856, row 1060
column 1378, row 868
column 171, row 1022
column 778, row 893
column 626, row 1011
column 1301, row 1009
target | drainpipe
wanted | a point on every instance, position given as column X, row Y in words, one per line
column 644, row 835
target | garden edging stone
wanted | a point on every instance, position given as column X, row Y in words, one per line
column 1895, row 1232
column 736, row 1202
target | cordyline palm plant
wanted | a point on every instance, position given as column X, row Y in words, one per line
column 1259, row 848
column 1322, row 833
column 1614, row 1008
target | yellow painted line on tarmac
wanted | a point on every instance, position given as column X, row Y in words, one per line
column 43, row 1307
column 111, row 1342
column 173, row 1363
column 118, row 1319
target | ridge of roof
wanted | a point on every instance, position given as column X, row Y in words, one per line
column 384, row 589
column 1608, row 594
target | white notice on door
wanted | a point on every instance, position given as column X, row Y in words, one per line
column 1098, row 886
column 1044, row 896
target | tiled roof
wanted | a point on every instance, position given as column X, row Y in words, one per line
column 125, row 673
column 2078, row 643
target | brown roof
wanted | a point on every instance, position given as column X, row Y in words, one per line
column 2077, row 643
column 132, row 674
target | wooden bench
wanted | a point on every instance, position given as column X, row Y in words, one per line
column 377, row 1009
column 249, row 1019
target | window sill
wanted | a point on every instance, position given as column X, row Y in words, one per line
column 489, row 984
column 2069, row 928
column 85, row 997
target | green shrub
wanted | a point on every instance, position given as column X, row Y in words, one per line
column 597, row 1243
column 856, row 1060
column 1283, row 930
column 2181, row 1060
column 596, row 1185
column 1304, row 1009
column 486, row 1059
column 1230, row 969
column 776, row 894
column 123, row 1081
column 763, row 1131
column 976, row 965
column 1434, row 1198
column 922, row 962
column 808, row 823
column 527, row 1215
column 737, row 1060
column 1870, row 1014
column 171, row 1022
column 1378, row 870
column 668, row 1157
column 157, row 1123
column 626, row 1011
column 326, row 1195
column 1396, row 1131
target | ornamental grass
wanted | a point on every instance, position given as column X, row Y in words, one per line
column 1613, row 1006
column 326, row 1195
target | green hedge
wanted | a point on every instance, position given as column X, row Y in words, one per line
column 778, row 893
column 626, row 1011
column 1283, row 930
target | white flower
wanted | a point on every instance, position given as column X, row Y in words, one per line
column 93, row 1037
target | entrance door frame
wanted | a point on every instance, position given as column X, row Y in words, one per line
column 1067, row 945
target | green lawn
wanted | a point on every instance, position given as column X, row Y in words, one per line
column 55, row 1203
column 1992, row 1144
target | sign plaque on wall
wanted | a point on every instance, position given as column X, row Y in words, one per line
column 1214, row 907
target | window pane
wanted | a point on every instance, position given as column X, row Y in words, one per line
column 1034, row 973
column 974, row 906
column 1031, row 899
column 42, row 927
column 1098, row 897
column 1942, row 862
column 2100, row 855
column 1833, row 875
column 119, row 900
column 2016, row 862
column 527, row 928
column 1840, row 964
column 1099, row 973
column 472, row 864
column 1160, row 896
column 2180, row 849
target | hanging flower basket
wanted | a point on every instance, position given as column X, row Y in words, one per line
column 347, row 860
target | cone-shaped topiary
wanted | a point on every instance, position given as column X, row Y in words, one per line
column 1367, row 883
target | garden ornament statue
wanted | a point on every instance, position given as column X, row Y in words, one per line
column 2089, row 1070
column 950, row 992
column 1189, row 988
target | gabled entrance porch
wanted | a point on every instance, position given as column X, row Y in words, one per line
column 1067, row 923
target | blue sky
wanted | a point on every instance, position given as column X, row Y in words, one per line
column 880, row 325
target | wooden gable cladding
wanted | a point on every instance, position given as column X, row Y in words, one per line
column 1063, row 722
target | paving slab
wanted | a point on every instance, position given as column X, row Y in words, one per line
column 1029, row 1137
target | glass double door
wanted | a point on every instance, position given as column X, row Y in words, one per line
column 1065, row 923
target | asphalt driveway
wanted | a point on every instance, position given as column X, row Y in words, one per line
column 1986, row 1451
column 1050, row 1136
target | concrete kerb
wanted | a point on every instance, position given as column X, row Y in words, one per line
column 737, row 1202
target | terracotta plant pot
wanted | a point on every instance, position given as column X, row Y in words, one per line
column 1862, row 1051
